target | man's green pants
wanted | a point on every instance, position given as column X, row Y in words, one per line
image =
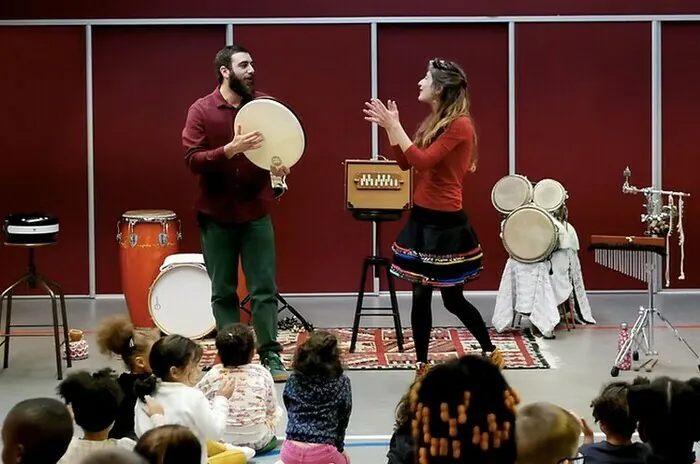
column 254, row 242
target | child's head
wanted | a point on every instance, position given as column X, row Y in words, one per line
column 169, row 444
column 668, row 415
column 115, row 456
column 611, row 412
column 404, row 415
column 463, row 411
column 36, row 431
column 547, row 434
column 173, row 359
column 319, row 355
column 236, row 345
column 94, row 398
column 117, row 335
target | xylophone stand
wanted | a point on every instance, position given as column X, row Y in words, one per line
column 644, row 329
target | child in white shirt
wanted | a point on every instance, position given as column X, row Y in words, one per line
column 94, row 401
column 174, row 361
column 253, row 409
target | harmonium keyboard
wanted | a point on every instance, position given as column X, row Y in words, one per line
column 379, row 185
column 628, row 255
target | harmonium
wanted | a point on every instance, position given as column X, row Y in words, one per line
column 378, row 185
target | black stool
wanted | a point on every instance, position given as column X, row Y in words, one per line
column 377, row 262
column 32, row 231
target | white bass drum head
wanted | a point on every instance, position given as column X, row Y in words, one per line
column 180, row 301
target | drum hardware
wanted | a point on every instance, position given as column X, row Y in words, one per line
column 285, row 138
column 637, row 257
column 285, row 305
column 377, row 185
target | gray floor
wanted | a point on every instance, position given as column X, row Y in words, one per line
column 581, row 358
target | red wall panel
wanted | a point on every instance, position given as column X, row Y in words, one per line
column 680, row 119
column 145, row 78
column 482, row 50
column 320, row 247
column 21, row 9
column 43, row 142
column 583, row 113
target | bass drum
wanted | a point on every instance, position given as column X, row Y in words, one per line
column 530, row 234
column 180, row 297
column 511, row 192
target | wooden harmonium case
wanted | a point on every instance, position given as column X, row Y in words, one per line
column 377, row 185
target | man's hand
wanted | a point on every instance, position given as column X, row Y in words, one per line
column 242, row 142
column 279, row 171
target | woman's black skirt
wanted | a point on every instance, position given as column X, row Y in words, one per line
column 437, row 248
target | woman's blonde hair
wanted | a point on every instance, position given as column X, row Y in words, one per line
column 451, row 83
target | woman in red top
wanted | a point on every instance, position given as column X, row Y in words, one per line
column 438, row 246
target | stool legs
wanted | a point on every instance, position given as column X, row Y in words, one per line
column 377, row 262
column 53, row 290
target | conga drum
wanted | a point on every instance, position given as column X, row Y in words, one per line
column 146, row 237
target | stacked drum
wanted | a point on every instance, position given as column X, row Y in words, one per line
column 534, row 216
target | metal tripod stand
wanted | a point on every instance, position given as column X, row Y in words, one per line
column 642, row 333
column 285, row 305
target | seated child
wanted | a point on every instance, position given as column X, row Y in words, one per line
column 169, row 444
column 547, row 434
column 94, row 401
column 668, row 417
column 401, row 443
column 610, row 411
column 168, row 395
column 253, row 409
column 114, row 456
column 318, row 398
column 117, row 335
column 36, row 431
column 463, row 411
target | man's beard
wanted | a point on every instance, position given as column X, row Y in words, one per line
column 241, row 87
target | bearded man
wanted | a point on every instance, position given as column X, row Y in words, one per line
column 233, row 203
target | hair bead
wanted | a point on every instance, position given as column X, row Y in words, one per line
column 453, row 428
column 434, row 447
column 444, row 447
column 444, row 412
column 476, row 435
column 456, row 449
column 484, row 441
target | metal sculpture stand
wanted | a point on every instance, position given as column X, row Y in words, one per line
column 639, row 257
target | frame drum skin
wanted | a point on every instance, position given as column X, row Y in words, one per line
column 511, row 192
column 530, row 234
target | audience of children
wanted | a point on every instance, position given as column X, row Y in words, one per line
column 318, row 399
column 253, row 409
column 36, row 431
column 174, row 362
column 116, row 335
column 461, row 411
column 93, row 400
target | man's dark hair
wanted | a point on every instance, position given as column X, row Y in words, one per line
column 223, row 58
column 235, row 344
column 610, row 408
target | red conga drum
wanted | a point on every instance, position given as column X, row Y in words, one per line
column 145, row 238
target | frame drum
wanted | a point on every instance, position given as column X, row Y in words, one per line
column 180, row 298
column 549, row 195
column 530, row 234
column 285, row 139
column 511, row 192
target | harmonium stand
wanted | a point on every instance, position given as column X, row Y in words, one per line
column 637, row 257
column 377, row 191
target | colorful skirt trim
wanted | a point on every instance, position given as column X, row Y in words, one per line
column 437, row 248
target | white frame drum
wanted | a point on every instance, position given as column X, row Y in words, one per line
column 511, row 192
column 550, row 195
column 189, row 306
column 532, row 240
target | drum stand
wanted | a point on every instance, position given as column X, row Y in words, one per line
column 285, row 305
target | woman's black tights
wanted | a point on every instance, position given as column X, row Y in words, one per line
column 454, row 301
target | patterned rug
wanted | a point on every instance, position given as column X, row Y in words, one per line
column 376, row 349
